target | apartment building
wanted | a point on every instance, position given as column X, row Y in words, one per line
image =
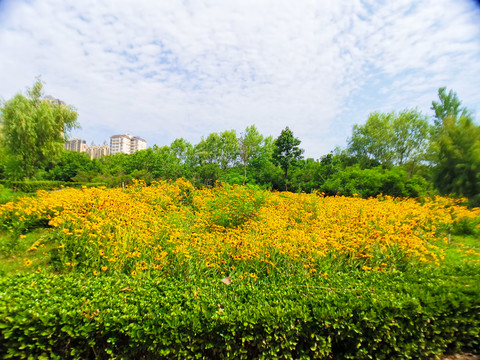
column 76, row 144
column 137, row 144
column 97, row 151
column 126, row 144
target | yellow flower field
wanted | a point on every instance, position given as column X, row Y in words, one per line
column 171, row 227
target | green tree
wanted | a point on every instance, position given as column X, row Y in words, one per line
column 286, row 152
column 70, row 164
column 207, row 150
column 448, row 106
column 249, row 144
column 220, row 149
column 229, row 151
column 390, row 139
column 183, row 150
column 34, row 131
column 455, row 148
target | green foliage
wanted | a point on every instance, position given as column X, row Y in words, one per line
column 183, row 150
column 207, row 174
column 448, row 106
column 286, row 152
column 351, row 316
column 372, row 182
column 7, row 194
column 250, row 146
column 390, row 139
column 456, row 149
column 221, row 149
column 416, row 311
column 70, row 164
column 33, row 132
column 312, row 174
column 235, row 205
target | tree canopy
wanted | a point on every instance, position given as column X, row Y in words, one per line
column 390, row 139
column 455, row 148
column 286, row 151
column 34, row 131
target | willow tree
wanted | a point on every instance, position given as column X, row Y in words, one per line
column 33, row 131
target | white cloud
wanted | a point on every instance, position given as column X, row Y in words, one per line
column 164, row 70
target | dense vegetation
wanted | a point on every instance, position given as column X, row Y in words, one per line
column 171, row 271
column 398, row 154
column 361, row 259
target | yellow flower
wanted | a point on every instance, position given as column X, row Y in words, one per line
column 22, row 236
column 28, row 262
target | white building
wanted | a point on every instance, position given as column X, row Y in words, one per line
column 76, row 144
column 137, row 144
column 97, row 151
column 126, row 144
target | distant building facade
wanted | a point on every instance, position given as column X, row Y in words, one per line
column 52, row 100
column 76, row 144
column 137, row 144
column 97, row 151
column 126, row 144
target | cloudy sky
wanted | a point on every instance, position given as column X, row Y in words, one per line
column 163, row 70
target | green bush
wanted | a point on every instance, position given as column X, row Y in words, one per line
column 234, row 205
column 350, row 316
column 372, row 182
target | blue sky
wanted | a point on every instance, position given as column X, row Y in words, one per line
column 163, row 70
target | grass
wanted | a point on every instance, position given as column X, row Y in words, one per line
column 16, row 255
column 7, row 195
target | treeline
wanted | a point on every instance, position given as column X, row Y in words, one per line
column 398, row 154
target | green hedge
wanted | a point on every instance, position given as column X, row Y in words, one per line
column 377, row 316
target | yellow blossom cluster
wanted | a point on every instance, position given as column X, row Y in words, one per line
column 171, row 227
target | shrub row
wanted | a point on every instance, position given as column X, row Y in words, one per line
column 363, row 316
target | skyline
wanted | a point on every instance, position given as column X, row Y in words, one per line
column 185, row 69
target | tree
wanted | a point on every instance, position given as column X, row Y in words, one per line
column 70, row 164
column 370, row 143
column 390, row 139
column 208, row 150
column 183, row 150
column 221, row 149
column 410, row 138
column 448, row 106
column 229, row 151
column 455, row 148
column 33, row 131
column 249, row 146
column 286, row 151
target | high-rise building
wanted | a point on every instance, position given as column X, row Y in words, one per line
column 97, row 151
column 137, row 144
column 76, row 144
column 126, row 144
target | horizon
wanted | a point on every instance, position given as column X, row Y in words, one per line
column 185, row 70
